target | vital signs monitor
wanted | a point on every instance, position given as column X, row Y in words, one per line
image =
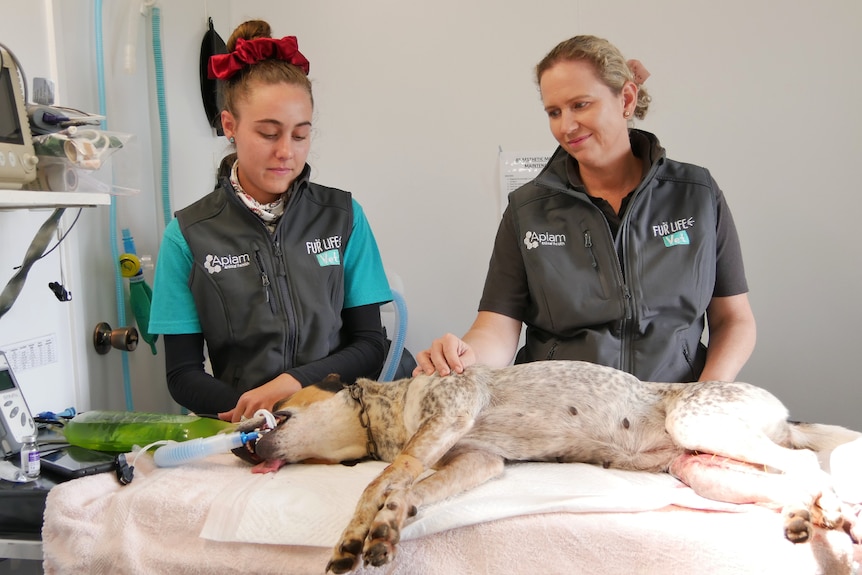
column 17, row 157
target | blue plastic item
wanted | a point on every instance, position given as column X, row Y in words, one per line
column 393, row 358
column 179, row 452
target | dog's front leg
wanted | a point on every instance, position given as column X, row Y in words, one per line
column 434, row 438
column 402, row 472
column 456, row 475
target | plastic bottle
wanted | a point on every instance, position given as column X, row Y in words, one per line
column 120, row 431
column 31, row 460
column 173, row 454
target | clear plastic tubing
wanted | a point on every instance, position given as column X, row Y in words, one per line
column 179, row 452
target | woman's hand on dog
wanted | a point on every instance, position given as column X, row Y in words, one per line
column 446, row 354
column 492, row 340
column 263, row 397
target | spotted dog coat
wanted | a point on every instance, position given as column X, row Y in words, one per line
column 467, row 426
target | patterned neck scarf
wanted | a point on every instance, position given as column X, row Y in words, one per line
column 270, row 213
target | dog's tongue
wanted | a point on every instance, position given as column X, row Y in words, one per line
column 268, row 466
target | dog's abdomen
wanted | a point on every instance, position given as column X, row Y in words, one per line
column 581, row 424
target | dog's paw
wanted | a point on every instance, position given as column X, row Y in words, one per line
column 346, row 557
column 380, row 547
column 385, row 533
column 827, row 510
column 797, row 525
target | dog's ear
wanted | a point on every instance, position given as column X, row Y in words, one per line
column 320, row 391
column 332, row 383
column 279, row 404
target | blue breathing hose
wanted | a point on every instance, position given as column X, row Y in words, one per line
column 176, row 453
column 393, row 358
column 115, row 253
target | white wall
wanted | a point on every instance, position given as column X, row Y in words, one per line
column 414, row 100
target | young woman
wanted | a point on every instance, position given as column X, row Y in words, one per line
column 280, row 277
column 614, row 254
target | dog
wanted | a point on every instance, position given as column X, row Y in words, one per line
column 727, row 441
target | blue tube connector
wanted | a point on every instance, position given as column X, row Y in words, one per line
column 393, row 358
column 179, row 452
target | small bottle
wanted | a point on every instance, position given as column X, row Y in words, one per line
column 31, row 459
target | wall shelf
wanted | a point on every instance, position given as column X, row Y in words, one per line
column 28, row 199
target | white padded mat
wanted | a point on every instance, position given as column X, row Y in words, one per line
column 312, row 504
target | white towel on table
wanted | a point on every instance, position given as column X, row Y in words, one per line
column 312, row 504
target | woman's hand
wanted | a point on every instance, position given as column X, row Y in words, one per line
column 447, row 353
column 263, row 397
column 491, row 340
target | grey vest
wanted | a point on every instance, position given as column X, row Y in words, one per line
column 637, row 302
column 268, row 302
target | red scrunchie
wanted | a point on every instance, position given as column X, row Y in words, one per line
column 223, row 66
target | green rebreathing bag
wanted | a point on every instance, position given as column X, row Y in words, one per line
column 120, row 431
column 140, row 297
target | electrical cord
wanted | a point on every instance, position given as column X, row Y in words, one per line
column 34, row 253
column 57, row 288
column 63, row 237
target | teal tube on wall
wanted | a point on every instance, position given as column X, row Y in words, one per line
column 163, row 115
column 115, row 253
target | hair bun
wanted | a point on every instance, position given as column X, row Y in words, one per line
column 249, row 30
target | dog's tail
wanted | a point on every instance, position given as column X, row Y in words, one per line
column 820, row 437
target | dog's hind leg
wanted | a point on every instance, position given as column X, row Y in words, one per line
column 739, row 440
column 726, row 442
column 739, row 421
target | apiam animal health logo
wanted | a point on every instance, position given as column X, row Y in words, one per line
column 533, row 239
column 215, row 264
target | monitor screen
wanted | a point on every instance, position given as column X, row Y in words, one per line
column 10, row 127
column 6, row 382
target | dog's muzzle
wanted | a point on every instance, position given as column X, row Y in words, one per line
column 263, row 422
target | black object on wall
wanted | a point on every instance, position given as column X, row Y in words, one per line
column 212, row 44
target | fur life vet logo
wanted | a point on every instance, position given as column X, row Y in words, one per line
column 326, row 250
column 215, row 264
column 533, row 239
column 674, row 233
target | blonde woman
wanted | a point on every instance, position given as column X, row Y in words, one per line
column 614, row 254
